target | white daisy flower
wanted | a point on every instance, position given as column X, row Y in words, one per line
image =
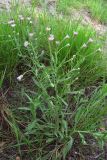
column 30, row 22
column 13, row 25
column 76, row 78
column 99, row 50
column 51, row 37
column 26, row 43
column 31, row 34
column 67, row 36
column 90, row 40
column 48, row 28
column 57, row 42
column 75, row 33
column 11, row 22
column 68, row 45
column 19, row 78
column 84, row 45
column 28, row 18
column 74, row 56
column 21, row 17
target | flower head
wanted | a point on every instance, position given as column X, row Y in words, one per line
column 99, row 50
column 31, row 34
column 67, row 36
column 51, row 37
column 76, row 78
column 28, row 18
column 26, row 43
column 84, row 45
column 68, row 45
column 30, row 22
column 19, row 78
column 21, row 17
column 13, row 25
column 75, row 33
column 11, row 22
column 57, row 42
column 73, row 57
column 90, row 40
column 48, row 29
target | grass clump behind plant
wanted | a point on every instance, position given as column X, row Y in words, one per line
column 65, row 5
column 97, row 8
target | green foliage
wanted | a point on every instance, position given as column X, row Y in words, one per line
column 12, row 39
column 65, row 59
column 65, row 5
column 97, row 8
column 93, row 113
column 77, row 56
column 2, row 78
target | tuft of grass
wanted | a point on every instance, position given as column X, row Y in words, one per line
column 65, row 5
column 12, row 39
column 97, row 8
column 36, row 2
column 2, row 78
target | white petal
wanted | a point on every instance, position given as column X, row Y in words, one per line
column 19, row 78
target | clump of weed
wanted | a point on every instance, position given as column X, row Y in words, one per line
column 64, row 58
